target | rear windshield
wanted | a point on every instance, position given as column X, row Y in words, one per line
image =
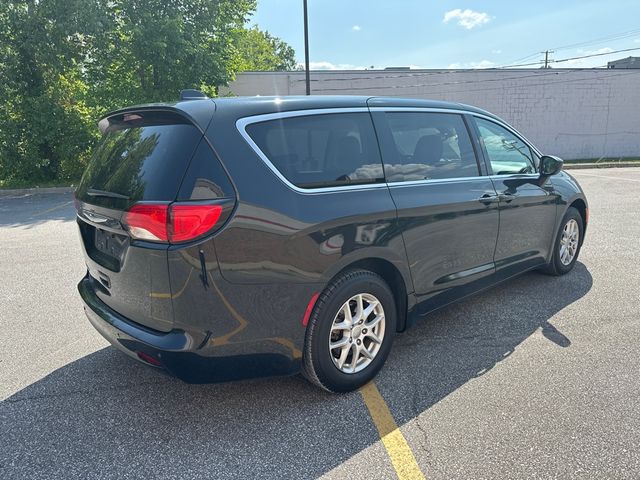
column 321, row 150
column 140, row 157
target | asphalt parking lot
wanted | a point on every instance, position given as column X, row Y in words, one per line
column 538, row 378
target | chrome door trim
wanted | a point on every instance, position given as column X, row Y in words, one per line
column 242, row 123
column 460, row 112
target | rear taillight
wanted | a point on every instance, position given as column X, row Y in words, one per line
column 148, row 221
column 179, row 222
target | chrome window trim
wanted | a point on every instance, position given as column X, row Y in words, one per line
column 460, row 112
column 429, row 110
column 242, row 123
column 514, row 132
column 436, row 181
column 512, row 175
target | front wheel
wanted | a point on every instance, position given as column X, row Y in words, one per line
column 568, row 243
column 350, row 332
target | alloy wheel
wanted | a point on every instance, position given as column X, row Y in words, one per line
column 357, row 332
column 569, row 242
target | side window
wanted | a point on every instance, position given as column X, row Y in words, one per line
column 424, row 146
column 507, row 153
column 321, row 150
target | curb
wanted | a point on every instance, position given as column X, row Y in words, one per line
column 580, row 166
column 31, row 191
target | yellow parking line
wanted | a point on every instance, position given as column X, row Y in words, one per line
column 57, row 207
column 397, row 447
column 168, row 295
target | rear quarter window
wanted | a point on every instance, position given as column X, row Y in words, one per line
column 321, row 150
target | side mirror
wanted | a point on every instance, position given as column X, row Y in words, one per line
column 550, row 165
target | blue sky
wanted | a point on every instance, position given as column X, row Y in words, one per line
column 452, row 34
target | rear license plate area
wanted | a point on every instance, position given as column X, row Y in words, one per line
column 110, row 243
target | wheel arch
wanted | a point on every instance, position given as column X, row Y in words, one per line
column 401, row 287
column 580, row 205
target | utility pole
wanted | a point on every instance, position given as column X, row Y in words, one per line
column 307, row 76
column 546, row 58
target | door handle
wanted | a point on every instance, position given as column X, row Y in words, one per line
column 489, row 198
column 506, row 197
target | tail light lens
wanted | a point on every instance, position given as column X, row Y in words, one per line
column 179, row 222
column 148, row 221
column 190, row 221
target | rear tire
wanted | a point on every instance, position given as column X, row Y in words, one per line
column 568, row 243
column 354, row 318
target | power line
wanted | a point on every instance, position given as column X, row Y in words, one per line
column 522, row 59
column 527, row 85
column 443, row 71
column 598, row 54
column 462, row 82
column 575, row 58
column 544, row 63
column 318, row 82
column 596, row 41
column 616, row 36
column 523, row 85
column 552, row 82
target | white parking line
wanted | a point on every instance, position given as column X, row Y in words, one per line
column 612, row 178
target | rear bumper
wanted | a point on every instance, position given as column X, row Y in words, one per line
column 186, row 355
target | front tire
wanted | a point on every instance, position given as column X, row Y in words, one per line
column 568, row 243
column 350, row 332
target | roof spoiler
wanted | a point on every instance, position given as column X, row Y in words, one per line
column 191, row 94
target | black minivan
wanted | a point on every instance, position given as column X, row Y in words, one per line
column 240, row 237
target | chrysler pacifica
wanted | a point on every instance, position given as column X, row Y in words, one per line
column 230, row 238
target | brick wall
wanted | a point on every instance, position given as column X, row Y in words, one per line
column 572, row 113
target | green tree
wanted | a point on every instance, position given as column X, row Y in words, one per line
column 258, row 50
column 43, row 96
column 159, row 47
column 64, row 63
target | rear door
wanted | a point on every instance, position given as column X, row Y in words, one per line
column 447, row 209
column 527, row 208
column 142, row 157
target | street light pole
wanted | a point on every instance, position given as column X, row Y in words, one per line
column 306, row 50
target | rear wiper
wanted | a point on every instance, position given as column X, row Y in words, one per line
column 92, row 192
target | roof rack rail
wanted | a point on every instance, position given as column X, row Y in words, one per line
column 191, row 94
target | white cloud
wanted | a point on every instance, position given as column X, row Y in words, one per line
column 590, row 62
column 350, row 66
column 331, row 66
column 467, row 18
column 496, row 52
column 483, row 64
column 356, row 28
column 480, row 64
column 637, row 40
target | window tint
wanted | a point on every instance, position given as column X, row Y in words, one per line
column 141, row 159
column 507, row 153
column 205, row 178
column 423, row 146
column 321, row 150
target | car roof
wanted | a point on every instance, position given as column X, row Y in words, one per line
column 200, row 110
column 269, row 104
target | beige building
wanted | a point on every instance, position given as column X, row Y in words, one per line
column 573, row 113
